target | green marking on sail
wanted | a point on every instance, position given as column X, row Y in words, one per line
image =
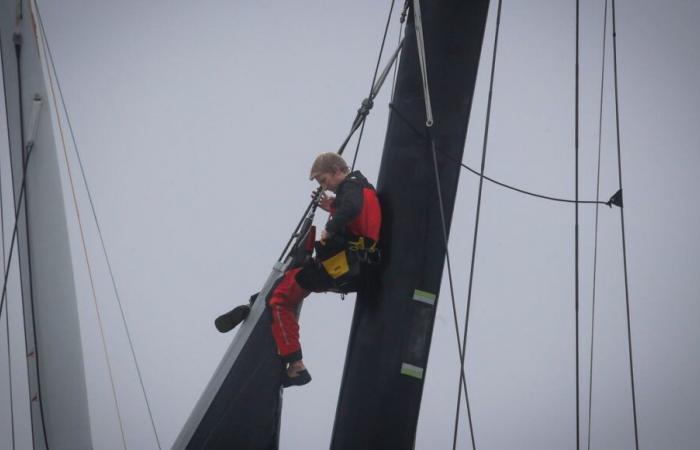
column 412, row 371
column 424, row 297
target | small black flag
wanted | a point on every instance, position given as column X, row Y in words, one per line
column 616, row 199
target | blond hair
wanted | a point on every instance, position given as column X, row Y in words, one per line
column 327, row 163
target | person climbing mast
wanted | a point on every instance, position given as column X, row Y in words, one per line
column 348, row 242
column 348, row 246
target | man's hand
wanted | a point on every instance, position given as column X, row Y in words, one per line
column 325, row 201
column 324, row 235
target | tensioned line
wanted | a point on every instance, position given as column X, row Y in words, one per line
column 430, row 141
column 622, row 226
column 374, row 79
column 595, row 238
column 100, row 235
column 576, row 229
column 477, row 217
column 5, row 266
column 415, row 130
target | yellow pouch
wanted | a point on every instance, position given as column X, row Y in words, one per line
column 337, row 265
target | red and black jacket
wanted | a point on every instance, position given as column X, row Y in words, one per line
column 355, row 211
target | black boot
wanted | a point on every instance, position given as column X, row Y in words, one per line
column 302, row 377
column 227, row 322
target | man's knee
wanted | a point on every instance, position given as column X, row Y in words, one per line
column 288, row 291
column 313, row 278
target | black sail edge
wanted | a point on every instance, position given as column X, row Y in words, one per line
column 241, row 406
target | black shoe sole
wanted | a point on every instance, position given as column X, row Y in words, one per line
column 303, row 377
column 227, row 322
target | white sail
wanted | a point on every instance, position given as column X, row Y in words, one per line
column 59, row 409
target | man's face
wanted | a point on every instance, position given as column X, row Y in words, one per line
column 329, row 181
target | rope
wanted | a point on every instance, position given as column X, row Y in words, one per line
column 99, row 232
column 478, row 213
column 82, row 238
column 367, row 104
column 595, row 239
column 622, row 226
column 443, row 221
column 374, row 78
column 402, row 21
column 422, row 62
column 25, row 153
column 14, row 235
column 462, row 377
column 492, row 180
column 6, row 269
column 576, row 231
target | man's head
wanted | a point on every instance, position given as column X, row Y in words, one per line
column 329, row 170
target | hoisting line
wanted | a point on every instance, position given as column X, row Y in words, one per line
column 595, row 239
column 29, row 147
column 576, row 231
column 374, row 78
column 99, row 232
column 423, row 63
column 613, row 200
column 478, row 205
column 25, row 152
column 443, row 221
column 5, row 267
column 360, row 117
column 402, row 20
column 7, row 318
column 622, row 226
column 84, row 246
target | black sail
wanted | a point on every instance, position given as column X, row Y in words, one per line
column 393, row 321
column 242, row 404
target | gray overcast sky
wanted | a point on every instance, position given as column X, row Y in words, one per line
column 197, row 122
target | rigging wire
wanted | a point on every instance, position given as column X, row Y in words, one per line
column 423, row 63
column 492, row 180
column 360, row 117
column 99, row 230
column 622, row 226
column 402, row 21
column 478, row 212
column 374, row 79
column 438, row 186
column 25, row 153
column 7, row 321
column 595, row 239
column 443, row 221
column 576, row 229
column 462, row 376
column 5, row 267
column 82, row 238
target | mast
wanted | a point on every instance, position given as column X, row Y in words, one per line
column 392, row 326
column 59, row 409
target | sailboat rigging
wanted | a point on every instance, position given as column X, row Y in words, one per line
column 436, row 69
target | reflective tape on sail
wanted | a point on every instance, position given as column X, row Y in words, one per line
column 424, row 297
column 412, row 371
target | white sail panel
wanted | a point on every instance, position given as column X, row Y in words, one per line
column 59, row 408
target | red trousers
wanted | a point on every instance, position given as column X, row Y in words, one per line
column 284, row 304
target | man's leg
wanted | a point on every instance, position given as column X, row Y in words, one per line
column 284, row 303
